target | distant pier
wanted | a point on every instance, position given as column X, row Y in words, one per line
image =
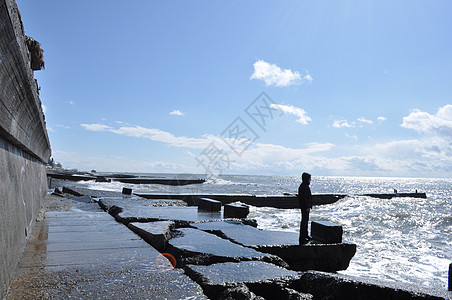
column 276, row 201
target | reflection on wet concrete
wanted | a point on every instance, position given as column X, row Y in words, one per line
column 85, row 254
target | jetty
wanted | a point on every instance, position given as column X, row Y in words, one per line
column 287, row 201
column 124, row 178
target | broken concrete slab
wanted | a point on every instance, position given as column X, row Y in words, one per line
column 209, row 204
column 312, row 256
column 326, row 232
column 249, row 236
column 337, row 286
column 193, row 246
column 156, row 234
column 84, row 199
column 261, row 278
column 181, row 215
column 234, row 210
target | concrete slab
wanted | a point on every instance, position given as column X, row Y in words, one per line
column 312, row 256
column 250, row 236
column 173, row 213
column 156, row 234
column 242, row 272
column 263, row 279
column 197, row 247
column 326, row 232
column 105, row 261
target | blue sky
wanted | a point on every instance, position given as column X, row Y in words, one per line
column 355, row 88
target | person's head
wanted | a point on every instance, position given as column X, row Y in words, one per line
column 306, row 178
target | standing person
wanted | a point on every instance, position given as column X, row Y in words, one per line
column 305, row 201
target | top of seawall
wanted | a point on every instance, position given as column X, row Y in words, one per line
column 22, row 121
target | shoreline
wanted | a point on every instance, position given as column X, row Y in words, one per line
column 299, row 283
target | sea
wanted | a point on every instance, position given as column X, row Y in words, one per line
column 400, row 240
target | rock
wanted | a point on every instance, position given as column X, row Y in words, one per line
column 238, row 292
column 156, row 234
column 236, row 211
column 326, row 232
column 209, row 204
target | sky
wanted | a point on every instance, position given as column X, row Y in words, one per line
column 342, row 88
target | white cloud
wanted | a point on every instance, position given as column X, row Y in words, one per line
column 381, row 119
column 96, row 127
column 153, row 135
column 342, row 124
column 364, row 120
column 72, row 103
column 177, row 112
column 440, row 124
column 303, row 117
column 271, row 74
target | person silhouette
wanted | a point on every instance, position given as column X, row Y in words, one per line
column 305, row 202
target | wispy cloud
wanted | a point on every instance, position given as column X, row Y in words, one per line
column 96, row 127
column 360, row 122
column 72, row 103
column 381, row 119
column 153, row 135
column 303, row 117
column 366, row 121
column 271, row 74
column 342, row 124
column 177, row 112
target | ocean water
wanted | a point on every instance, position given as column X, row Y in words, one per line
column 404, row 240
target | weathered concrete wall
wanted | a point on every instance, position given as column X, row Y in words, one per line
column 24, row 144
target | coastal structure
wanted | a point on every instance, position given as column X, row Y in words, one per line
column 24, row 144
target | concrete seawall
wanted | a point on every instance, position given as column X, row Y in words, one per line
column 24, row 144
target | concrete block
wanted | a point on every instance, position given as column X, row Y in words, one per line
column 236, row 211
column 127, row 191
column 156, row 234
column 326, row 232
column 450, row 278
column 209, row 204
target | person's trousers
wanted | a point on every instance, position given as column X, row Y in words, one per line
column 304, row 225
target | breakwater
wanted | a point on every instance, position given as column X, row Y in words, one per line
column 24, row 144
column 277, row 201
column 230, row 258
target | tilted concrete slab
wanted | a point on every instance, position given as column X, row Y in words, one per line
column 193, row 246
column 312, row 256
column 250, row 236
column 261, row 278
column 105, row 261
column 155, row 234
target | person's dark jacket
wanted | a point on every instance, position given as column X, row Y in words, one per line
column 304, row 195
